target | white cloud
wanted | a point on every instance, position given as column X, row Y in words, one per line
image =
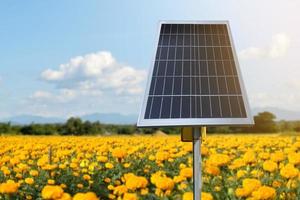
column 95, row 82
column 95, row 73
column 63, row 95
column 293, row 85
column 278, row 47
column 282, row 100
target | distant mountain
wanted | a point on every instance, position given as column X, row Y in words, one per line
column 111, row 118
column 117, row 118
column 27, row 119
column 281, row 114
column 108, row 118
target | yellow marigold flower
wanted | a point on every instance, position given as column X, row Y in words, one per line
column 126, row 165
column 289, row 171
column 162, row 155
column 73, row 165
column 133, row 182
column 120, row 190
column 65, row 196
column 241, row 173
column 9, row 187
column 277, row 156
column 33, row 172
column 6, row 172
column 237, row 163
column 256, row 173
column 29, row 181
column 294, row 158
column 75, row 174
column 118, row 153
column 269, row 166
column 241, row 192
column 182, row 165
column 204, row 196
column 86, row 177
column 161, row 182
column 110, row 187
column 62, row 166
column 249, row 157
column 85, row 196
column 276, row 183
column 151, row 157
column 130, row 196
column 52, row 192
column 144, row 191
column 264, row 193
column 51, row 181
column 178, row 179
column 212, row 169
column 164, row 183
column 79, row 185
column 102, row 159
column 84, row 163
column 249, row 185
column 218, row 159
column 187, row 196
column 204, row 151
column 217, row 188
column 109, row 165
column 107, row 180
column 264, row 155
column 19, row 175
column 186, row 172
column 182, row 186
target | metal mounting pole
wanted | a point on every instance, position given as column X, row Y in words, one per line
column 197, row 176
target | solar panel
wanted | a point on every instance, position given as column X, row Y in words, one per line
column 195, row 78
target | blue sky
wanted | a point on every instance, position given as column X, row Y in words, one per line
column 48, row 50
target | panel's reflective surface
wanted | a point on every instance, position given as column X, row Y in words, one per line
column 194, row 74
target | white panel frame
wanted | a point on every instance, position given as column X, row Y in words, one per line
column 142, row 122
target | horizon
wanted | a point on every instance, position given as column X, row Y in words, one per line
column 84, row 58
column 118, row 118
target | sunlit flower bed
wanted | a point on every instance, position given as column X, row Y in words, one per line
column 148, row 167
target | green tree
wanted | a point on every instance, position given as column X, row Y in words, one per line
column 73, row 126
column 265, row 123
column 5, row 128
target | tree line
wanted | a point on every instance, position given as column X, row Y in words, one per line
column 265, row 122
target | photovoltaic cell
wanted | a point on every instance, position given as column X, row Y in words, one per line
column 194, row 74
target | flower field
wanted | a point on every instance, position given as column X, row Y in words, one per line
column 148, row 167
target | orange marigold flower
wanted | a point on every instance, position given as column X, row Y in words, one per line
column 85, row 196
column 264, row 193
column 186, row 172
column 52, row 192
column 269, row 166
column 289, row 171
column 9, row 187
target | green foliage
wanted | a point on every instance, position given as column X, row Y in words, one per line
column 38, row 129
column 171, row 130
column 297, row 129
column 75, row 126
column 5, row 127
column 264, row 123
